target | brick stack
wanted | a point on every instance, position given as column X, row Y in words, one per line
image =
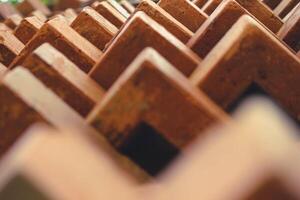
column 120, row 100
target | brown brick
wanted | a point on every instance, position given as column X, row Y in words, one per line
column 215, row 27
column 200, row 3
column 13, row 21
column 210, row 6
column 290, row 31
column 28, row 28
column 140, row 32
column 119, row 8
column 70, row 156
column 93, row 27
column 259, row 164
column 64, row 78
column 152, row 94
column 75, row 4
column 42, row 17
column 285, row 7
column 271, row 3
column 127, row 6
column 6, row 10
column 3, row 70
column 165, row 19
column 107, row 11
column 10, row 47
column 262, row 13
column 249, row 54
column 3, row 27
column 70, row 15
column 185, row 12
column 57, row 32
column 28, row 6
column 25, row 100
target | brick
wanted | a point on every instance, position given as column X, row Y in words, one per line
column 28, row 6
column 13, row 21
column 6, row 10
column 165, row 19
column 262, row 13
column 10, row 47
column 75, row 4
column 31, row 174
column 140, row 32
column 271, row 3
column 93, row 27
column 66, row 40
column 249, row 54
column 41, row 16
column 70, row 15
column 26, row 101
column 200, row 3
column 298, row 54
column 3, row 70
column 256, row 166
column 28, row 27
column 64, row 78
column 285, row 7
column 162, row 103
column 215, row 27
column 127, row 6
column 210, row 6
column 185, row 12
column 119, row 8
column 290, row 31
column 108, row 12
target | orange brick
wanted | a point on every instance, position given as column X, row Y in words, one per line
column 163, row 104
column 13, row 21
column 95, row 28
column 185, row 12
column 215, row 27
column 290, row 31
column 107, row 11
column 28, row 28
column 285, row 7
column 127, row 6
column 165, row 19
column 64, row 78
column 239, row 60
column 57, row 32
column 118, row 8
column 10, row 47
column 140, row 32
column 28, row 6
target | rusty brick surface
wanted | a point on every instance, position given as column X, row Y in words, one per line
column 215, row 27
column 28, row 6
column 58, row 33
column 290, row 31
column 249, row 54
column 13, row 21
column 64, row 78
column 41, row 16
column 107, row 11
column 165, row 19
column 152, row 92
column 285, row 7
column 95, row 28
column 10, row 47
column 210, row 6
column 28, row 27
column 200, row 3
column 6, row 10
column 140, row 32
column 185, row 12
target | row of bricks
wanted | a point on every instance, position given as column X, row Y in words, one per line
column 118, row 126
